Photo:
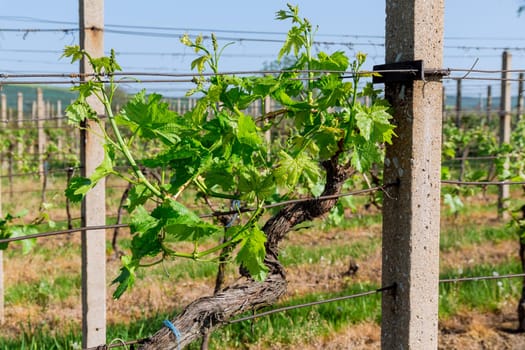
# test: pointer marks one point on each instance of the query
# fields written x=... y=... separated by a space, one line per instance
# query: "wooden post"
x=4 y=120
x=444 y=104
x=504 y=127
x=19 y=120
x=3 y=104
x=489 y=104
x=519 y=106
x=2 y=310
x=40 y=116
x=93 y=207
x=179 y=111
x=411 y=210
x=59 y=117
x=458 y=103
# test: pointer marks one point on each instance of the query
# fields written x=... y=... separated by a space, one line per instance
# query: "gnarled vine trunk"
x=208 y=313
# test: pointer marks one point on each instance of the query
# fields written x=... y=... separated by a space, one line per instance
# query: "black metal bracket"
x=402 y=72
x=398 y=72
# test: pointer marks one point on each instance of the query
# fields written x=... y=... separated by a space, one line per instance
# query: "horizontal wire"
x=481 y=278
x=333 y=300
x=297 y=201
x=482 y=183
x=379 y=290
x=61 y=232
x=203 y=74
x=242 y=31
x=109 y=30
x=74 y=78
x=313 y=303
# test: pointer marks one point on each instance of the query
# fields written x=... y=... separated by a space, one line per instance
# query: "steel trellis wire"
x=332 y=300
x=313 y=303
x=90 y=228
x=481 y=278
x=61 y=232
x=482 y=183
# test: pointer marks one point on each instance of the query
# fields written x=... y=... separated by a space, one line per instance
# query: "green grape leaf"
x=150 y=118
x=200 y=62
x=327 y=139
x=146 y=240
x=374 y=123
x=254 y=184
x=336 y=215
x=182 y=224
x=252 y=253
x=141 y=221
x=24 y=230
x=294 y=41
x=137 y=195
x=220 y=174
x=126 y=278
x=337 y=61
x=74 y=52
x=80 y=186
x=79 y=111
x=247 y=132
x=290 y=169
x=77 y=188
x=365 y=154
x=335 y=91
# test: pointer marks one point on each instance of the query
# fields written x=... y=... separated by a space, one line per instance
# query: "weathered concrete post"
x=459 y=98
x=19 y=120
x=3 y=103
x=504 y=127
x=3 y=108
x=41 y=142
x=59 y=117
x=489 y=104
x=519 y=104
x=411 y=211
x=93 y=206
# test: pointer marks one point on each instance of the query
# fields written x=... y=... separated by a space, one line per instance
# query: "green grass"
x=483 y=295
x=293 y=255
x=38 y=336
x=299 y=325
x=44 y=291
x=286 y=329
x=455 y=238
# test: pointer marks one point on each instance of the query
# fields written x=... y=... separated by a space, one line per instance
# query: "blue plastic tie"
x=174 y=330
x=235 y=205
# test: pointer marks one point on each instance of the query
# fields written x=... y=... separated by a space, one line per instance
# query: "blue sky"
x=474 y=29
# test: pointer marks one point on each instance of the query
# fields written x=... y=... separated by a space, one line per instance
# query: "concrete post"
x=489 y=104
x=59 y=117
x=411 y=211
x=20 y=119
x=519 y=106
x=93 y=210
x=41 y=142
x=458 y=103
x=444 y=104
x=504 y=128
x=3 y=104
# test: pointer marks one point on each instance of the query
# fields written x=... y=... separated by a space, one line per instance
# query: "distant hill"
x=476 y=103
x=51 y=94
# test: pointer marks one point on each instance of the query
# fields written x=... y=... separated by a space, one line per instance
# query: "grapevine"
x=217 y=153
